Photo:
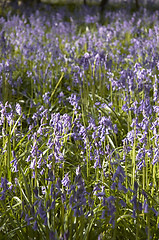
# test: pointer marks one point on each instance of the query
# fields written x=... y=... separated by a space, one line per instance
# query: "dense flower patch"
x=79 y=125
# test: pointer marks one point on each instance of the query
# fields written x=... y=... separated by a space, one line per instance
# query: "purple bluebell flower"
x=136 y=186
x=112 y=220
x=137 y=205
x=14 y=163
x=97 y=103
x=85 y=60
x=110 y=199
x=66 y=235
x=45 y=221
x=52 y=235
x=77 y=200
x=134 y=213
x=130 y=136
x=61 y=97
x=4 y=184
x=121 y=187
x=123 y=204
x=2 y=197
x=156 y=156
x=144 y=194
x=35 y=190
x=134 y=202
x=28 y=219
x=155 y=211
x=73 y=100
x=97 y=159
x=96 y=188
x=119 y=173
x=103 y=214
x=145 y=207
x=141 y=164
x=35 y=227
x=41 y=211
x=52 y=206
x=46 y=98
x=100 y=194
x=113 y=186
x=155 y=97
x=71 y=200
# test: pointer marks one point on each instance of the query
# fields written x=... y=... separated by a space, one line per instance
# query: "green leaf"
x=27 y=187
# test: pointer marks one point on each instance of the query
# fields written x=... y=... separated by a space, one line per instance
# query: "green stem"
x=133 y=159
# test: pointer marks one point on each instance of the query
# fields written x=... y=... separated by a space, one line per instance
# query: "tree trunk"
x=137 y=3
x=85 y=2
x=104 y=3
x=30 y=2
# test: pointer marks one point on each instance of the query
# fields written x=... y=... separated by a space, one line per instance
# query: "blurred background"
x=88 y=1
x=98 y=1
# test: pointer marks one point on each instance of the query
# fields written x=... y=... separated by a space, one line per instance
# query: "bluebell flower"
x=130 y=136
x=136 y=186
x=156 y=109
x=74 y=102
x=155 y=211
x=100 y=194
x=45 y=221
x=110 y=199
x=76 y=211
x=97 y=103
x=85 y=60
x=71 y=200
x=2 y=195
x=41 y=211
x=66 y=235
x=119 y=172
x=4 y=184
x=113 y=186
x=134 y=213
x=28 y=219
x=123 y=204
x=63 y=198
x=103 y=214
x=52 y=235
x=112 y=220
x=97 y=159
x=140 y=206
x=52 y=205
x=35 y=227
x=18 y=109
x=43 y=190
x=65 y=182
x=90 y=202
x=96 y=188
x=156 y=156
x=14 y=163
x=121 y=187
x=36 y=202
x=134 y=202
x=155 y=92
x=144 y=194
x=35 y=190
x=145 y=207
x=137 y=205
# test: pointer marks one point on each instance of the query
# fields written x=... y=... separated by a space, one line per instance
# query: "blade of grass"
x=62 y=75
